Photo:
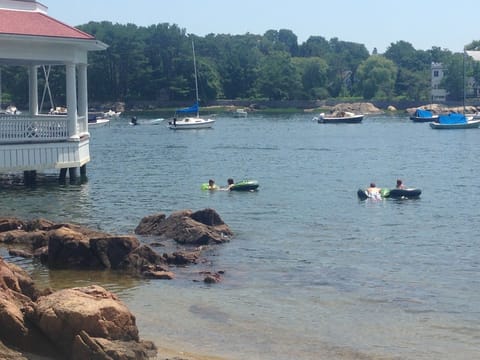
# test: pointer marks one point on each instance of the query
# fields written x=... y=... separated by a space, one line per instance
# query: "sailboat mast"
x=195 y=73
x=464 y=84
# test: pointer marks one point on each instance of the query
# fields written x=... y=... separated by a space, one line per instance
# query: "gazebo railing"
x=20 y=129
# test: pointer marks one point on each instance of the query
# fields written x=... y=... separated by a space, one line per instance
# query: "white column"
x=83 y=97
x=33 y=90
x=72 y=101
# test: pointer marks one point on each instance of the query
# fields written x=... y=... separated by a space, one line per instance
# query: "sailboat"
x=191 y=122
x=454 y=120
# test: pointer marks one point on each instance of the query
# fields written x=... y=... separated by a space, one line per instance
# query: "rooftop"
x=36 y=23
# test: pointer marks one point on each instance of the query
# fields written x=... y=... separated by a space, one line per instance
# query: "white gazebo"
x=31 y=142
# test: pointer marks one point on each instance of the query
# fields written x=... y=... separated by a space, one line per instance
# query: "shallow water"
x=312 y=272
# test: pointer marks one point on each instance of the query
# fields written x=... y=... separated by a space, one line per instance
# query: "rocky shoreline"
x=90 y=322
x=367 y=108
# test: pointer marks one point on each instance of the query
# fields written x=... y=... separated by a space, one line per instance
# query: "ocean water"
x=312 y=272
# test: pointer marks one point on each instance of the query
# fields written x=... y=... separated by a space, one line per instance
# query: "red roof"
x=37 y=24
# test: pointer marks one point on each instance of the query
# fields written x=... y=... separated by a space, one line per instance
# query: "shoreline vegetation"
x=293 y=107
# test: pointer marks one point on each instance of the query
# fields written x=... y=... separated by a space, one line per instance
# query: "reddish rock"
x=150 y=225
x=64 y=314
x=182 y=257
x=87 y=347
x=31 y=240
x=11 y=223
x=142 y=257
x=187 y=227
x=16 y=303
x=113 y=250
x=70 y=249
x=20 y=253
x=211 y=278
x=161 y=275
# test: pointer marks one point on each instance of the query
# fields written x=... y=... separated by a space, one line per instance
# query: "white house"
x=439 y=94
x=31 y=142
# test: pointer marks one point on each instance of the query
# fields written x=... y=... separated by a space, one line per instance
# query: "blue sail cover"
x=452 y=119
x=423 y=113
x=192 y=109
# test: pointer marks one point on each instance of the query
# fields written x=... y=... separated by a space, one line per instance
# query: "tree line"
x=155 y=63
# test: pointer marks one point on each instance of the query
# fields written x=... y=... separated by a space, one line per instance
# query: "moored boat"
x=455 y=121
x=110 y=114
x=422 y=115
x=340 y=117
x=96 y=120
x=240 y=113
x=191 y=122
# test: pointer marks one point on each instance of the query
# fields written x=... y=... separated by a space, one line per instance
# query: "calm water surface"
x=312 y=272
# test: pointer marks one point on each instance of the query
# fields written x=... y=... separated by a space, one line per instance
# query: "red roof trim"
x=37 y=24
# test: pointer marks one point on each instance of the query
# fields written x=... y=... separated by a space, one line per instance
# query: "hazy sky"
x=374 y=23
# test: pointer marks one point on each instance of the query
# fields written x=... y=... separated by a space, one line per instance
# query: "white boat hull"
x=191 y=123
x=348 y=118
x=470 y=124
x=98 y=123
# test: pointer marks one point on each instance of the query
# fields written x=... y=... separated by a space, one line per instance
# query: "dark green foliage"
x=155 y=63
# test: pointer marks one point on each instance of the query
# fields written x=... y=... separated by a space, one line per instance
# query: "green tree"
x=344 y=59
x=453 y=80
x=277 y=78
x=376 y=77
x=236 y=58
x=315 y=46
x=313 y=72
x=282 y=40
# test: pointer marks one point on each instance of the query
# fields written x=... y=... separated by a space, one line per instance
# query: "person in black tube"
x=400 y=184
x=373 y=191
x=230 y=183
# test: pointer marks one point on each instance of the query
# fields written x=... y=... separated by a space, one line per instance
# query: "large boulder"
x=187 y=227
x=73 y=317
x=17 y=293
x=30 y=240
x=357 y=108
x=113 y=250
x=10 y=223
x=87 y=347
x=70 y=249
x=79 y=323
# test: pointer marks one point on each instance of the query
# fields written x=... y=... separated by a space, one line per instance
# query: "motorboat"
x=95 y=120
x=98 y=122
x=455 y=121
x=110 y=114
x=339 y=117
x=59 y=110
x=240 y=113
x=12 y=110
x=422 y=115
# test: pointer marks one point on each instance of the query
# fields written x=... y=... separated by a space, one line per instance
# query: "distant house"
x=30 y=141
x=438 y=93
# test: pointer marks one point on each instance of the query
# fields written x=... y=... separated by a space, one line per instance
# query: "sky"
x=374 y=23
